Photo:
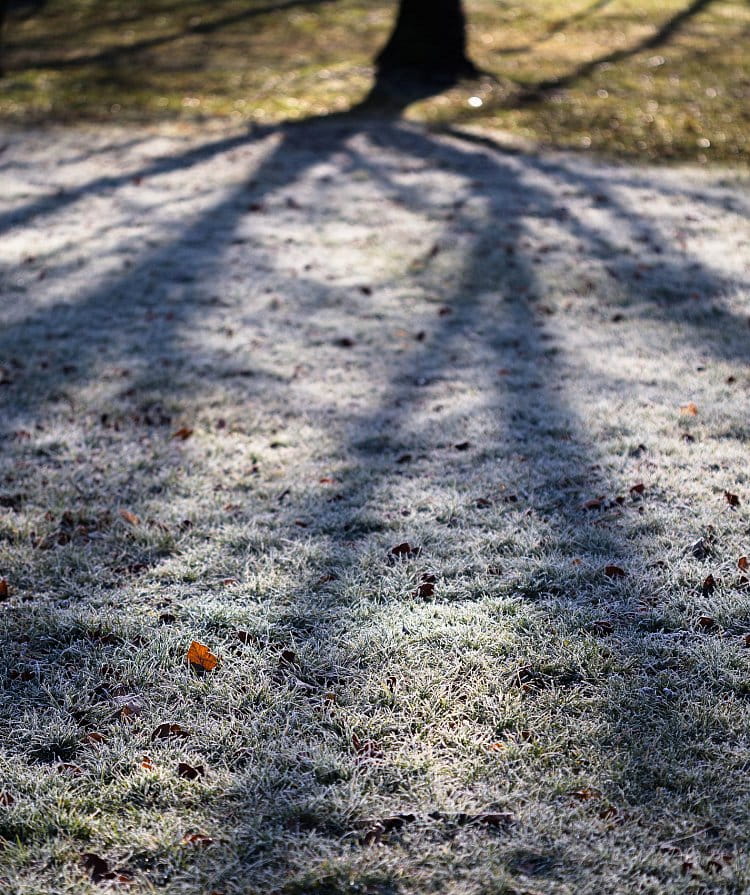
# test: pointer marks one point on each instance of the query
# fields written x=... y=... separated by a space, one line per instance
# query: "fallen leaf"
x=288 y=657
x=201 y=656
x=197 y=839
x=482 y=503
x=743 y=563
x=366 y=748
x=167 y=730
x=183 y=433
x=746 y=640
x=462 y=446
x=129 y=517
x=732 y=499
x=94 y=737
x=147 y=763
x=614 y=572
x=426 y=589
x=584 y=795
x=594 y=503
x=602 y=627
x=4 y=589
x=708 y=586
x=189 y=772
x=97 y=867
x=405 y=549
x=689 y=409
x=639 y=488
x=7 y=798
x=706 y=622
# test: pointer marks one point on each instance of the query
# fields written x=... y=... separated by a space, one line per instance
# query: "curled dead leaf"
x=189 y=772
x=595 y=503
x=405 y=550
x=743 y=563
x=708 y=586
x=200 y=656
x=167 y=730
x=614 y=572
x=366 y=749
x=638 y=488
x=130 y=518
x=199 y=840
x=706 y=622
x=183 y=433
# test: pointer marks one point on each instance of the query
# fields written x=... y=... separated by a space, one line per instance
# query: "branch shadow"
x=282 y=813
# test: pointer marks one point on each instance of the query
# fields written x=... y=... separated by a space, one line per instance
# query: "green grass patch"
x=654 y=81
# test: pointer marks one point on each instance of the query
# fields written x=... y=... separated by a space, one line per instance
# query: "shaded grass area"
x=377 y=336
x=656 y=80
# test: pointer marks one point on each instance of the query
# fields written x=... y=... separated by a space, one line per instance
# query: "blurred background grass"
x=651 y=80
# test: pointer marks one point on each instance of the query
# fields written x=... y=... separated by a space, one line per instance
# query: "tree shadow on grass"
x=284 y=809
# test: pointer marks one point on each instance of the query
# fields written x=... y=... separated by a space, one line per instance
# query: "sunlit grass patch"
x=656 y=80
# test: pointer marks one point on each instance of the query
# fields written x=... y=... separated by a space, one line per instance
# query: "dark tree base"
x=428 y=45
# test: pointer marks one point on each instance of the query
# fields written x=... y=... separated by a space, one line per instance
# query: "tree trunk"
x=428 y=42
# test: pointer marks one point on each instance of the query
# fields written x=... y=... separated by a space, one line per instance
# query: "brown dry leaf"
x=614 y=572
x=602 y=627
x=594 y=504
x=706 y=622
x=732 y=499
x=426 y=588
x=189 y=772
x=689 y=409
x=638 y=488
x=585 y=794
x=183 y=433
x=743 y=563
x=129 y=517
x=147 y=763
x=746 y=640
x=708 y=586
x=483 y=502
x=197 y=839
x=4 y=589
x=366 y=748
x=405 y=550
x=201 y=656
x=97 y=867
x=166 y=730
x=99 y=871
x=94 y=737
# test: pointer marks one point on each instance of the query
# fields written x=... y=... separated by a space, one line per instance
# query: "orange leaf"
x=743 y=563
x=201 y=656
x=198 y=839
x=129 y=517
x=183 y=433
x=689 y=409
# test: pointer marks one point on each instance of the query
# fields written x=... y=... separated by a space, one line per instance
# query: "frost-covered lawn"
x=236 y=371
